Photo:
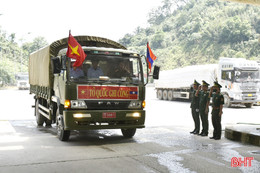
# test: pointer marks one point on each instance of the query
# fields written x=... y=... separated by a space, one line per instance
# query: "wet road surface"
x=165 y=145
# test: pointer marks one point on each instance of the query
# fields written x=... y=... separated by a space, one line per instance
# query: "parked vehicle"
x=22 y=81
x=239 y=79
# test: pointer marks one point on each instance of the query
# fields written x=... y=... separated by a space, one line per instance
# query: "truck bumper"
x=244 y=98
x=244 y=101
x=112 y=119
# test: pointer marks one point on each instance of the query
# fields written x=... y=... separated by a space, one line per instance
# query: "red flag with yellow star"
x=75 y=51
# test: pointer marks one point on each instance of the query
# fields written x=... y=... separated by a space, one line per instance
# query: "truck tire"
x=39 y=118
x=128 y=133
x=170 y=95
x=165 y=95
x=160 y=94
x=227 y=102
x=62 y=134
x=248 y=105
x=47 y=122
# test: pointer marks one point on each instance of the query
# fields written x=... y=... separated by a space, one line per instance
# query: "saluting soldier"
x=217 y=107
x=195 y=108
x=204 y=107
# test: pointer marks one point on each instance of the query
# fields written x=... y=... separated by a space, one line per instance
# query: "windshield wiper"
x=126 y=82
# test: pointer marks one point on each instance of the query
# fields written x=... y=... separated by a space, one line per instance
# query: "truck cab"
x=239 y=79
x=107 y=91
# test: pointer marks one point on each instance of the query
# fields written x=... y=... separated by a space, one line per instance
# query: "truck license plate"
x=109 y=115
x=249 y=95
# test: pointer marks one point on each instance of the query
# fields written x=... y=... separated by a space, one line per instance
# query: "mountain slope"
x=199 y=32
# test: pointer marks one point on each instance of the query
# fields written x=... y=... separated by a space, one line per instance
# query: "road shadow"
x=98 y=137
x=91 y=137
x=238 y=106
x=30 y=129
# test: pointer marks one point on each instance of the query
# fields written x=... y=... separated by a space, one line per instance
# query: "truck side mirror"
x=56 y=65
x=63 y=62
x=156 y=72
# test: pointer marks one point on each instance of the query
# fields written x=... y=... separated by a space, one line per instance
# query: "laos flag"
x=150 y=57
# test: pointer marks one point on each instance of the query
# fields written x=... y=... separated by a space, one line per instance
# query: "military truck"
x=113 y=100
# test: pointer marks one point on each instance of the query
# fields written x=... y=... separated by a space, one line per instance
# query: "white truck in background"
x=239 y=79
x=22 y=81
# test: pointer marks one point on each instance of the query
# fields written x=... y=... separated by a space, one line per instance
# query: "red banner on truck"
x=90 y=92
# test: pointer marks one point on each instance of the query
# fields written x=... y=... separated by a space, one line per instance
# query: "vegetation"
x=180 y=32
x=14 y=58
x=189 y=32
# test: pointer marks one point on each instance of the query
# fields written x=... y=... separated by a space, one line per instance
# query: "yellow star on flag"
x=74 y=50
x=82 y=92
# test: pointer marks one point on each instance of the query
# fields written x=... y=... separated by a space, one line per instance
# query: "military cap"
x=205 y=83
x=196 y=83
x=216 y=84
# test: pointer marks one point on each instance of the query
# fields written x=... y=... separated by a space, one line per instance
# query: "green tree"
x=158 y=40
x=37 y=44
x=201 y=30
x=235 y=30
x=13 y=58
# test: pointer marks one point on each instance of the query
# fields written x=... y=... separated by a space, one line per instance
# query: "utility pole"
x=22 y=40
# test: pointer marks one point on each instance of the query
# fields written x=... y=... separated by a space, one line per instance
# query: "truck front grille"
x=22 y=83
x=249 y=96
x=108 y=105
x=248 y=87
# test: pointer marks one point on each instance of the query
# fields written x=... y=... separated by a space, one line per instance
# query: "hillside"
x=183 y=32
x=14 y=57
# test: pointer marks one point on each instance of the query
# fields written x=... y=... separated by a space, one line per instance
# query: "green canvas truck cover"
x=40 y=73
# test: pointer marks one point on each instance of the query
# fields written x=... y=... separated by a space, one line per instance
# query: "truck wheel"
x=248 y=105
x=160 y=94
x=39 y=117
x=169 y=95
x=227 y=102
x=165 y=95
x=128 y=133
x=48 y=122
x=63 y=135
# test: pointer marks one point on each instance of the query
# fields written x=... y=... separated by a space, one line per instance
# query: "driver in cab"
x=95 y=71
x=76 y=72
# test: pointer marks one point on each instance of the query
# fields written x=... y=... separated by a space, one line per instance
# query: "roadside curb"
x=249 y=134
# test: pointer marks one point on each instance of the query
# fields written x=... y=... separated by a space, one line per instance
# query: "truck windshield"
x=107 y=69
x=24 y=77
x=244 y=76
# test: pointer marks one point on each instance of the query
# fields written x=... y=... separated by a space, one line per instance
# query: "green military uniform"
x=195 y=110
x=217 y=100
x=204 y=99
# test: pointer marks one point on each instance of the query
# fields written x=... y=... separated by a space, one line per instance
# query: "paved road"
x=165 y=145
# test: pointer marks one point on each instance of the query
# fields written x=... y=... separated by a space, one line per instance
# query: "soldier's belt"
x=215 y=107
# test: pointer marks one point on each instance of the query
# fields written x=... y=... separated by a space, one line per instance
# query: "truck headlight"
x=237 y=97
x=134 y=115
x=78 y=104
x=82 y=115
x=135 y=104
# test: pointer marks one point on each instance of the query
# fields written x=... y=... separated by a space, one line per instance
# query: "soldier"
x=217 y=106
x=204 y=107
x=195 y=108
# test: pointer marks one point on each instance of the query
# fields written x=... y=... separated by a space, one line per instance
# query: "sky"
x=53 y=19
